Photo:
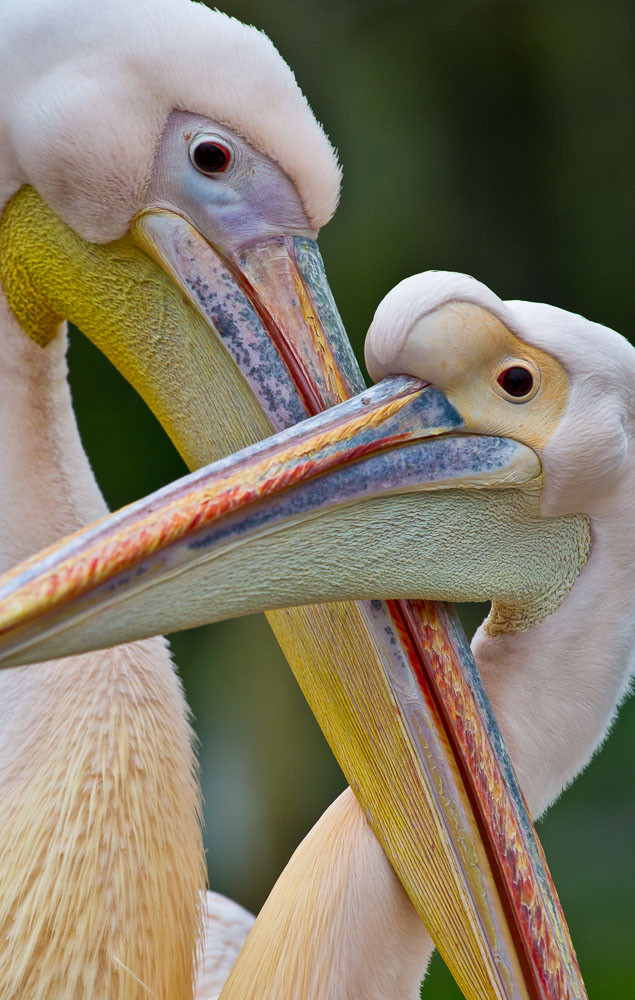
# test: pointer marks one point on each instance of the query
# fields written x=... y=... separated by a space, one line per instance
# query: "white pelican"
x=555 y=685
x=162 y=181
x=507 y=478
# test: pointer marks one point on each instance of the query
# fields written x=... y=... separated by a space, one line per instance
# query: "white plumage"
x=225 y=927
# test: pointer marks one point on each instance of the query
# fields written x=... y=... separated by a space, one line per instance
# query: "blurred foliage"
x=495 y=138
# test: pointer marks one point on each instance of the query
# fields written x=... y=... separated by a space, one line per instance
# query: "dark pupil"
x=210 y=158
x=516 y=381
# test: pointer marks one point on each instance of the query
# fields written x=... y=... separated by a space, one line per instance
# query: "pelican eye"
x=209 y=156
x=517 y=382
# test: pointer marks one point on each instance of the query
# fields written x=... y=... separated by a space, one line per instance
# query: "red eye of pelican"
x=209 y=156
x=516 y=381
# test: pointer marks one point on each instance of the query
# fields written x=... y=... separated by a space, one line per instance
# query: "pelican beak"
x=226 y=346
x=358 y=502
x=270 y=304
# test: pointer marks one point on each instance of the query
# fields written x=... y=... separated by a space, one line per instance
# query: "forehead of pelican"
x=86 y=90
x=454 y=332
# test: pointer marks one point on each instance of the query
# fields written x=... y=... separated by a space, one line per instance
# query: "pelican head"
x=478 y=469
x=175 y=133
x=552 y=379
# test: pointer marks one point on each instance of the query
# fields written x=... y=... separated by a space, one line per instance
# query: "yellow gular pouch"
x=132 y=311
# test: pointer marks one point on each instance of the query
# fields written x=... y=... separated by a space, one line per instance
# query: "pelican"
x=104 y=743
x=162 y=183
x=499 y=467
x=566 y=387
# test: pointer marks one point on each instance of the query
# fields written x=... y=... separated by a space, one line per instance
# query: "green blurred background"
x=494 y=138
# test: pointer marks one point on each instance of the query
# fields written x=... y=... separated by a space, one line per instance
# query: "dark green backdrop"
x=491 y=138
